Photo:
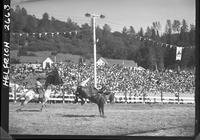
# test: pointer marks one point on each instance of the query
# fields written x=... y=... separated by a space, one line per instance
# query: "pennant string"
x=76 y=32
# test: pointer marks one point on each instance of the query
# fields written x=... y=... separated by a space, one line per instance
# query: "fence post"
x=63 y=95
x=15 y=94
x=143 y=97
x=161 y=97
x=178 y=98
x=125 y=94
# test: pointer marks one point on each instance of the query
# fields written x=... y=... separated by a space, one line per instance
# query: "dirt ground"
x=121 y=119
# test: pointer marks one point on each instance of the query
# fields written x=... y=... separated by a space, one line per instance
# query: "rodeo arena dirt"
x=139 y=102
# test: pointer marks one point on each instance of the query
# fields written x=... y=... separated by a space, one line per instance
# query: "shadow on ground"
x=73 y=115
x=29 y=110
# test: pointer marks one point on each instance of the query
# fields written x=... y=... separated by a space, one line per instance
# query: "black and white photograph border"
x=89 y=75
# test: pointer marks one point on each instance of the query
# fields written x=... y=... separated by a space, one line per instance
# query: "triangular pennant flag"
x=40 y=34
x=178 y=53
x=76 y=32
x=164 y=45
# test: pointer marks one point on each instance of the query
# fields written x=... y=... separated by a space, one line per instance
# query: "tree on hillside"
x=19 y=19
x=106 y=30
x=31 y=24
x=176 y=26
x=156 y=26
x=148 y=32
x=124 y=31
x=70 y=25
x=131 y=31
x=192 y=35
x=141 y=32
x=45 y=25
x=184 y=40
x=85 y=32
x=59 y=26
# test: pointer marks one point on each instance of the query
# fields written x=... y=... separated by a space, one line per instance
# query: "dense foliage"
x=120 y=45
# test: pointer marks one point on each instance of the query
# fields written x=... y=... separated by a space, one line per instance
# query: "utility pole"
x=93 y=16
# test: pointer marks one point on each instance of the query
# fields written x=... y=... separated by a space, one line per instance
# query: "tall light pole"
x=93 y=16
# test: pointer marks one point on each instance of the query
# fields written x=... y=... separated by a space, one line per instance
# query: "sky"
x=118 y=13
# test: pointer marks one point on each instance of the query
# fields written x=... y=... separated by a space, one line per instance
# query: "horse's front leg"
x=82 y=100
x=76 y=99
x=44 y=105
x=23 y=103
x=99 y=109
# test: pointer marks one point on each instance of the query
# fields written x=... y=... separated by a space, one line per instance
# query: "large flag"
x=179 y=53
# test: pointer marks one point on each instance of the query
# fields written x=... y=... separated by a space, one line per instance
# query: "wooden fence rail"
x=122 y=99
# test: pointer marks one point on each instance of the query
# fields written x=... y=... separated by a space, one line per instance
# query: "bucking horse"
x=96 y=96
x=31 y=94
x=52 y=78
x=91 y=93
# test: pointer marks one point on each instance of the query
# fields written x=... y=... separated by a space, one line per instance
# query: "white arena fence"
x=120 y=98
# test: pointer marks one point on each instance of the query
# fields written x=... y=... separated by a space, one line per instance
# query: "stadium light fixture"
x=93 y=16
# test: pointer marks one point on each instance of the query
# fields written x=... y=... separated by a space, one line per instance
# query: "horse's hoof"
x=82 y=103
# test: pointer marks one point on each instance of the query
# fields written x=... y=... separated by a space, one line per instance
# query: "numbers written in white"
x=7 y=17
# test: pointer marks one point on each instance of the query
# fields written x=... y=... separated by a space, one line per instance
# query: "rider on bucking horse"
x=83 y=84
x=39 y=88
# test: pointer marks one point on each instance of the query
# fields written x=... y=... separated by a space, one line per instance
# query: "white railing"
x=121 y=99
x=154 y=99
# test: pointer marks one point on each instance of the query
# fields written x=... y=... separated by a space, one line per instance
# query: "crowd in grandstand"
x=115 y=78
